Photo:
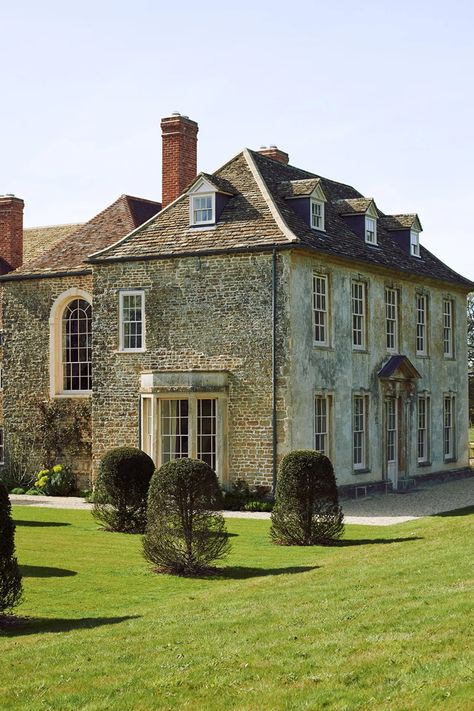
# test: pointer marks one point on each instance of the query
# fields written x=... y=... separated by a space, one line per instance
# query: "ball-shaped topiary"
x=121 y=491
x=185 y=534
x=11 y=589
x=306 y=510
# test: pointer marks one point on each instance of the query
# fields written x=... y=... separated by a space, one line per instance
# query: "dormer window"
x=414 y=243
x=317 y=214
x=370 y=230
x=202 y=209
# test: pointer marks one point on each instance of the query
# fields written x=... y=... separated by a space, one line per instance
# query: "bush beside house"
x=306 y=510
x=185 y=534
x=120 y=497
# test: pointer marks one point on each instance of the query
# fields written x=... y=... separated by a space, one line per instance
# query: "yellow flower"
x=57 y=468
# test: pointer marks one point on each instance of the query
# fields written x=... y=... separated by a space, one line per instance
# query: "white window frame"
x=314 y=216
x=415 y=243
x=421 y=333
x=359 y=431
x=370 y=234
x=320 y=309
x=151 y=421
x=359 y=312
x=448 y=328
x=391 y=319
x=2 y=445
x=122 y=294
x=193 y=209
x=423 y=441
x=449 y=420
x=322 y=421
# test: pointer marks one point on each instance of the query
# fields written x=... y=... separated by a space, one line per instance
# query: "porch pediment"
x=398 y=367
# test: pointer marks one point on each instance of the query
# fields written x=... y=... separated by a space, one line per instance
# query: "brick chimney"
x=179 y=136
x=11 y=232
x=275 y=153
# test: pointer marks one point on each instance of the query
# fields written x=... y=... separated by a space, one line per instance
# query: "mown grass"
x=382 y=621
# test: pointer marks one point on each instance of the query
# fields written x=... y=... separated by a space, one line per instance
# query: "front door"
x=391 y=439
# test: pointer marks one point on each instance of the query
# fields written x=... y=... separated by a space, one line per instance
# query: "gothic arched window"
x=77 y=346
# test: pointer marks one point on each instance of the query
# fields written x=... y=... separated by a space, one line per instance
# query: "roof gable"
x=398 y=367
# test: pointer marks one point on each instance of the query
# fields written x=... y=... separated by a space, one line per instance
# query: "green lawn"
x=382 y=621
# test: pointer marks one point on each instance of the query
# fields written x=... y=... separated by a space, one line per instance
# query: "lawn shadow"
x=370 y=541
x=21 y=626
x=19 y=522
x=464 y=511
x=241 y=572
x=40 y=571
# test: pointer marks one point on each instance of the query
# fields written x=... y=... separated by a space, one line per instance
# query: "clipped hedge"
x=11 y=589
x=185 y=534
x=306 y=510
x=120 y=496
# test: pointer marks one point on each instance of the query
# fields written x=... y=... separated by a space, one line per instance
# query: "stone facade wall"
x=340 y=371
x=26 y=313
x=202 y=314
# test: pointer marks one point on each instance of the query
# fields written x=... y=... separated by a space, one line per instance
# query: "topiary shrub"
x=184 y=533
x=10 y=577
x=306 y=510
x=120 y=497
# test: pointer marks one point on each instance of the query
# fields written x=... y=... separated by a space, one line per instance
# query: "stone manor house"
x=258 y=309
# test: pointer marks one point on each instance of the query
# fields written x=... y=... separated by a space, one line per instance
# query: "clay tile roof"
x=355 y=206
x=37 y=240
x=298 y=188
x=110 y=225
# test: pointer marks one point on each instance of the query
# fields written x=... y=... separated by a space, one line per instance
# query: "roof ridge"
x=276 y=214
x=49 y=227
x=135 y=197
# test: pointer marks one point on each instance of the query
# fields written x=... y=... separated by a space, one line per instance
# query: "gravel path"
x=376 y=510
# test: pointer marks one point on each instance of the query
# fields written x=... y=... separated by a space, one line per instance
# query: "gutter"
x=194 y=253
x=46 y=275
x=274 y=414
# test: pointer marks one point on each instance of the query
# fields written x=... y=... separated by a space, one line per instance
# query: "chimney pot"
x=275 y=153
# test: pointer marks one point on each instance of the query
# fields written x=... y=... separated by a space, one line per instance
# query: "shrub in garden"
x=185 y=534
x=10 y=577
x=306 y=510
x=120 y=497
x=242 y=495
x=57 y=481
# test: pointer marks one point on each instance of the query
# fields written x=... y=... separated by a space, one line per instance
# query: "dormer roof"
x=206 y=183
x=401 y=222
x=356 y=206
x=291 y=189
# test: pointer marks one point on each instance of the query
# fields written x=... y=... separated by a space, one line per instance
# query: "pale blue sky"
x=375 y=94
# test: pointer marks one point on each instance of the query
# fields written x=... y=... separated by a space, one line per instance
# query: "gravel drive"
x=375 y=510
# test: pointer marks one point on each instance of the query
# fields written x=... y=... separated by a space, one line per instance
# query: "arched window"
x=77 y=355
x=70 y=344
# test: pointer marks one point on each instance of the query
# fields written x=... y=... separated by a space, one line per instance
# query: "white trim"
x=55 y=343
x=131 y=292
x=415 y=243
x=200 y=196
x=373 y=219
x=268 y=198
x=314 y=201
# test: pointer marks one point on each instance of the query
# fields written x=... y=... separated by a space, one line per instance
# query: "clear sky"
x=378 y=94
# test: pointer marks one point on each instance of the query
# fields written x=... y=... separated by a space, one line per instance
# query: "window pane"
x=207 y=431
x=132 y=321
x=77 y=345
x=174 y=429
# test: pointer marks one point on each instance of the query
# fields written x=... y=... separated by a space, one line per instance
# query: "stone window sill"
x=365 y=470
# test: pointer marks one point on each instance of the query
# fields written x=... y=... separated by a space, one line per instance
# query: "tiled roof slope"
x=37 y=240
x=258 y=215
x=117 y=220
